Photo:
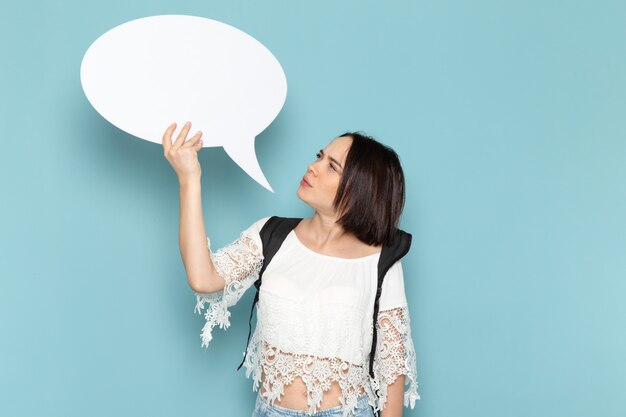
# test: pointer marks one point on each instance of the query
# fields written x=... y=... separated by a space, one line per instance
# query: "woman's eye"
x=318 y=155
x=333 y=167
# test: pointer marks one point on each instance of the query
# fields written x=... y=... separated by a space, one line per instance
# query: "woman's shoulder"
x=255 y=228
x=258 y=225
x=253 y=232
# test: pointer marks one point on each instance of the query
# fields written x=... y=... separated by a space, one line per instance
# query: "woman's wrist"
x=189 y=180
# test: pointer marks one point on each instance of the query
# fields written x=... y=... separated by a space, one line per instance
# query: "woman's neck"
x=324 y=229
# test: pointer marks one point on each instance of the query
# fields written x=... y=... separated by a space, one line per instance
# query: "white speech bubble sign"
x=147 y=73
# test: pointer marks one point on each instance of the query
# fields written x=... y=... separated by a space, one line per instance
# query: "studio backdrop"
x=509 y=119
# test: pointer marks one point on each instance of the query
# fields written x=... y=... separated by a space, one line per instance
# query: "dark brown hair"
x=370 y=196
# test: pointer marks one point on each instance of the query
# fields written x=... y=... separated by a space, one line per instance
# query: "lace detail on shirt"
x=395 y=355
x=281 y=368
x=239 y=264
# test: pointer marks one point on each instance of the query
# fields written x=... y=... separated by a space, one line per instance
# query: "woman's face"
x=319 y=185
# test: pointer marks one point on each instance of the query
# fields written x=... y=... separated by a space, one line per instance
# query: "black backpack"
x=274 y=232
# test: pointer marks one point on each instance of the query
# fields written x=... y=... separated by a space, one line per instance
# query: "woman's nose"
x=312 y=169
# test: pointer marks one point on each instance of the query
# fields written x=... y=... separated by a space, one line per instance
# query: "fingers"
x=193 y=141
x=182 y=135
x=181 y=141
x=167 y=137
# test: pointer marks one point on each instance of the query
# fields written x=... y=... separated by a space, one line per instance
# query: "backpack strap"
x=389 y=255
x=273 y=233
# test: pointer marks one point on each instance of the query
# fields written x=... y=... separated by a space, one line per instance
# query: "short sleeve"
x=395 y=352
x=392 y=294
x=239 y=263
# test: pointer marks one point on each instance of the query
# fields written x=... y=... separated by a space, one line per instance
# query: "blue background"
x=510 y=121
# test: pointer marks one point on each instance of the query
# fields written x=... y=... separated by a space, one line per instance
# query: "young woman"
x=310 y=350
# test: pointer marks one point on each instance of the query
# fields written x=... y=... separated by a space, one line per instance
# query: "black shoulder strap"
x=389 y=255
x=273 y=233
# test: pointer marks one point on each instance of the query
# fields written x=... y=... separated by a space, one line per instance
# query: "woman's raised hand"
x=183 y=155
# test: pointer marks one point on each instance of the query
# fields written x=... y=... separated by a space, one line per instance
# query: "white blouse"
x=314 y=320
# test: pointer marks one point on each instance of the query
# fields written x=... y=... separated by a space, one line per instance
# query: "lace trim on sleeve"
x=239 y=264
x=395 y=355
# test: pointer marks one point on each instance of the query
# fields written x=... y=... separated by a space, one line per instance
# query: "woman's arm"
x=395 y=398
x=201 y=273
x=183 y=156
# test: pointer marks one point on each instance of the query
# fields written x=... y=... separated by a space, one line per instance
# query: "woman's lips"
x=305 y=183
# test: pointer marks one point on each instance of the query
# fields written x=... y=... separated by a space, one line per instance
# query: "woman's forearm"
x=194 y=251
x=395 y=398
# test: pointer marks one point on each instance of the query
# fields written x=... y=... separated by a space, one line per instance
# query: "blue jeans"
x=262 y=408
